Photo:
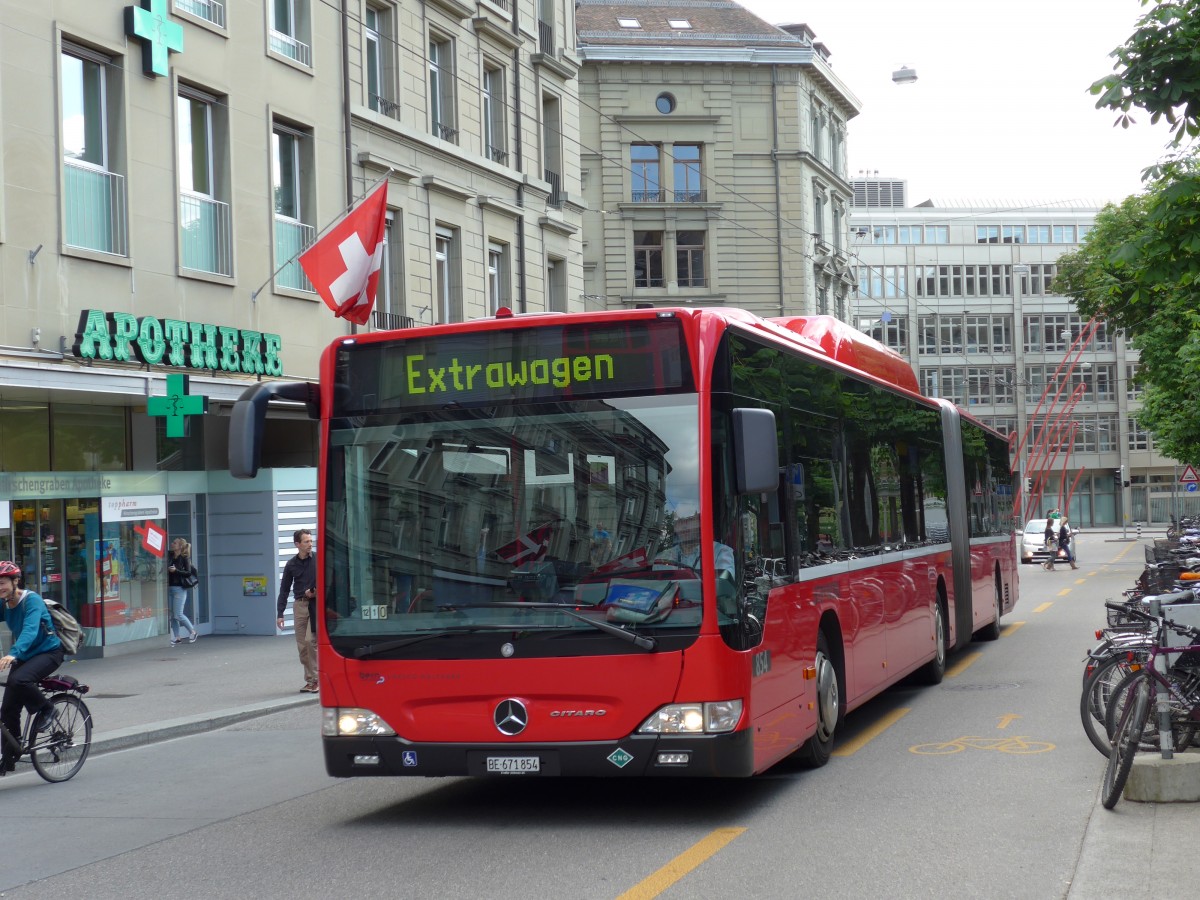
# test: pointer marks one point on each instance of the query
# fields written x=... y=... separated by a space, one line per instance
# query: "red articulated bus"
x=647 y=542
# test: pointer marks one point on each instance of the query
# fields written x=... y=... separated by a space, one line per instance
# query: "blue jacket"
x=31 y=627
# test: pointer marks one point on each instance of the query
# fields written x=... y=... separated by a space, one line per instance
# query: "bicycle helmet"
x=9 y=569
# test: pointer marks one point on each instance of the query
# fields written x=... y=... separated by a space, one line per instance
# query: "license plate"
x=514 y=765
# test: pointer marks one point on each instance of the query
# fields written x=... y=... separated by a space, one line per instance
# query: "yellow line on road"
x=1079 y=581
x=851 y=747
x=959 y=667
x=1010 y=628
x=681 y=865
x=1126 y=550
x=1044 y=606
x=1064 y=592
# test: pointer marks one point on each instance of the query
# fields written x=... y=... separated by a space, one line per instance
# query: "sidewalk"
x=169 y=692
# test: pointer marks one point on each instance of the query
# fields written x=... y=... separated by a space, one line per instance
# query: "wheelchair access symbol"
x=408 y=758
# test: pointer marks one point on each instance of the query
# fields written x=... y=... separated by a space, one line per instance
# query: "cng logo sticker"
x=620 y=758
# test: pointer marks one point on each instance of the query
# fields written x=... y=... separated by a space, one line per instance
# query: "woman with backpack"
x=181 y=577
x=35 y=653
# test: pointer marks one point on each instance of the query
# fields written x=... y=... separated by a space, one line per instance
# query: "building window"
x=644 y=170
x=205 y=231
x=818 y=131
x=937 y=234
x=208 y=10
x=818 y=215
x=628 y=23
x=1139 y=437
x=1038 y=234
x=689 y=187
x=882 y=282
x=1133 y=390
x=682 y=24
x=1101 y=337
x=1104 y=378
x=93 y=193
x=1044 y=334
x=927 y=343
x=1063 y=234
x=446 y=281
x=1012 y=234
x=893 y=333
x=380 y=61
x=497 y=276
x=950 y=334
x=556 y=285
x=552 y=148
x=290 y=27
x=292 y=173
x=948 y=383
x=987 y=234
x=648 y=259
x=546 y=27
x=441 y=88
x=495 y=120
x=389 y=294
x=883 y=234
x=689 y=258
x=665 y=103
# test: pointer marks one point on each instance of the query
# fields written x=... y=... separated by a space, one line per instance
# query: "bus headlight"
x=717 y=717
x=337 y=722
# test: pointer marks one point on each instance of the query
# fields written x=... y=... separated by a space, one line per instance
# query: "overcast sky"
x=1000 y=112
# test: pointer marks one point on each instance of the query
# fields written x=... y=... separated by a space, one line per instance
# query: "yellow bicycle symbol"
x=1015 y=744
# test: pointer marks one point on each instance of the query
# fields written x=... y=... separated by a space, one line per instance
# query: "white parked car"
x=1033 y=541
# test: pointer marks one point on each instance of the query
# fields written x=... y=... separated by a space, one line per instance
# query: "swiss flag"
x=344 y=265
x=638 y=559
x=527 y=548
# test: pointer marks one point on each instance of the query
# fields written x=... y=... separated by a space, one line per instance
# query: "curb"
x=141 y=735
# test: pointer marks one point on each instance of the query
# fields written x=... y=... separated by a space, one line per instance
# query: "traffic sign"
x=1191 y=487
x=1189 y=476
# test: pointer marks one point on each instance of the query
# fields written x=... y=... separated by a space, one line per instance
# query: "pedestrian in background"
x=181 y=577
x=1064 y=542
x=300 y=580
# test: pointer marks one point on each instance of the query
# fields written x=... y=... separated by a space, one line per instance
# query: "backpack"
x=66 y=626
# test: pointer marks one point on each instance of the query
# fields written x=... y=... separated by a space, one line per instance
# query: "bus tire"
x=815 y=752
x=935 y=670
x=991 y=631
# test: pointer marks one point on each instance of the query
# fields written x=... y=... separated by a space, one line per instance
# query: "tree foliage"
x=1158 y=69
x=1139 y=270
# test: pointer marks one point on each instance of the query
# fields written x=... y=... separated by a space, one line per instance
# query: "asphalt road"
x=983 y=786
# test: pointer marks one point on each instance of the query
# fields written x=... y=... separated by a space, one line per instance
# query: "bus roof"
x=850 y=346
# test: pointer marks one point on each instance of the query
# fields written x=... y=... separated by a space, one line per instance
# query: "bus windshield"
x=466 y=524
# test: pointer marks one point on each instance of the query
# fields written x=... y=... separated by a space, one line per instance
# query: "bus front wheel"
x=817 y=749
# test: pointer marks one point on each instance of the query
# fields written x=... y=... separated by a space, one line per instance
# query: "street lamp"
x=904 y=75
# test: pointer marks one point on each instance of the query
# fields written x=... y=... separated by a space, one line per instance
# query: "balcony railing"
x=205 y=234
x=385 y=321
x=691 y=196
x=545 y=38
x=445 y=132
x=291 y=238
x=649 y=196
x=389 y=108
x=555 y=199
x=495 y=154
x=286 y=45
x=95 y=209
x=209 y=10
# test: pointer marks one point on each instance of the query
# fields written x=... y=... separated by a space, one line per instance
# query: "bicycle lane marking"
x=657 y=882
x=1042 y=607
x=1019 y=745
x=1010 y=628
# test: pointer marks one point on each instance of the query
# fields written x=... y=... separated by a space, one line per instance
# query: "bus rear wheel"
x=815 y=752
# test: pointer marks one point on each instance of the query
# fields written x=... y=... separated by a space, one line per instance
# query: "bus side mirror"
x=249 y=418
x=755 y=451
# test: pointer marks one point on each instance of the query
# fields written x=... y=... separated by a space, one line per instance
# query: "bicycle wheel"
x=1094 y=699
x=1127 y=735
x=59 y=753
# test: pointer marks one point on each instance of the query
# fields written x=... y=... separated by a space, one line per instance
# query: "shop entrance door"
x=185 y=519
x=38 y=545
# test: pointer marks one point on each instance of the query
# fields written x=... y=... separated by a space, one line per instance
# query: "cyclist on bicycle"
x=35 y=653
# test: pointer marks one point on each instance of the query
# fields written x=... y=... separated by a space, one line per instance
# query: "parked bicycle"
x=1156 y=701
x=57 y=752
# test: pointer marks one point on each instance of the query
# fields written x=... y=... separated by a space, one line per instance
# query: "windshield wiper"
x=372 y=649
x=625 y=634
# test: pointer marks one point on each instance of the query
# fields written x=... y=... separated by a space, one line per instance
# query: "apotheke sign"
x=121 y=337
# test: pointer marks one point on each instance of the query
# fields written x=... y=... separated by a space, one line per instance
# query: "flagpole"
x=316 y=237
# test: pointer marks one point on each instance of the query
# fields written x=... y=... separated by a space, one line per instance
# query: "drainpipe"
x=519 y=164
x=778 y=192
x=346 y=120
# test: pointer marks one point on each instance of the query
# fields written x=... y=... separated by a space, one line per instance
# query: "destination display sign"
x=513 y=365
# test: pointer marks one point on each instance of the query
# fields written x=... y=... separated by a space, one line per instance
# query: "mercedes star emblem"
x=511 y=717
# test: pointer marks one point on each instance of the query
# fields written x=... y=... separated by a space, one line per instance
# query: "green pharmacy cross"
x=159 y=35
x=176 y=404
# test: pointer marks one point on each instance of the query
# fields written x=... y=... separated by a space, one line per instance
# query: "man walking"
x=300 y=579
